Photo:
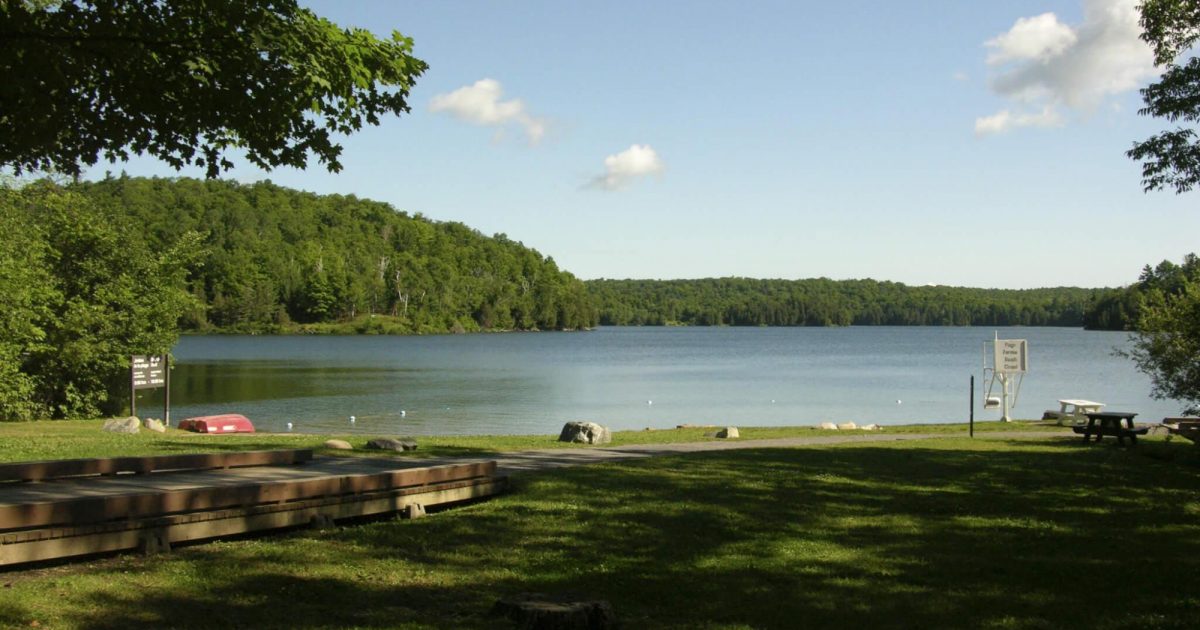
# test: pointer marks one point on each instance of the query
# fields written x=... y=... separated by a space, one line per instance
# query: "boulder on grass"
x=872 y=427
x=847 y=426
x=338 y=445
x=728 y=433
x=829 y=426
x=130 y=424
x=585 y=433
x=392 y=444
x=154 y=425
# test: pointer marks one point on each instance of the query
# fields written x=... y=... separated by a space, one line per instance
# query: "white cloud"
x=1043 y=64
x=1005 y=120
x=622 y=168
x=1036 y=38
x=480 y=104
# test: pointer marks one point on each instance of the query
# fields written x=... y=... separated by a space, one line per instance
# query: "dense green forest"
x=277 y=259
x=1119 y=309
x=824 y=302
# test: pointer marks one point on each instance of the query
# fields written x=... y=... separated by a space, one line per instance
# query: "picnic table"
x=1075 y=409
x=1102 y=423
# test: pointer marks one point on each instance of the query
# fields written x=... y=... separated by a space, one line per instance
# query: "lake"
x=632 y=378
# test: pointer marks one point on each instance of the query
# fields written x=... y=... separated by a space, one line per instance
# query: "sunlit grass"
x=26 y=441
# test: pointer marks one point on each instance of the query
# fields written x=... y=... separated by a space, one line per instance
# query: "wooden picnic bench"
x=1105 y=423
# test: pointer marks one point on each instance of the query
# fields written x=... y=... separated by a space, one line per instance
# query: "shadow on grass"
x=955 y=533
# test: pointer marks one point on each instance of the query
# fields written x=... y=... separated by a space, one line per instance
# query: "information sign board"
x=149 y=371
x=1011 y=356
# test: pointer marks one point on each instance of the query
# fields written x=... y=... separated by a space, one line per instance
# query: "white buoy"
x=772 y=401
x=351 y=419
x=897 y=401
x=289 y=426
x=649 y=402
x=403 y=413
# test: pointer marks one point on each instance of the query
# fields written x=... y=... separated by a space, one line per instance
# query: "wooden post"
x=132 y=391
x=166 y=390
x=972 y=405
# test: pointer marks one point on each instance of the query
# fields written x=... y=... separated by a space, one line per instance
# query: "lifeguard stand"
x=1006 y=367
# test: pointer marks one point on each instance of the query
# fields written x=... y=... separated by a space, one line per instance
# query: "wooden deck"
x=81 y=507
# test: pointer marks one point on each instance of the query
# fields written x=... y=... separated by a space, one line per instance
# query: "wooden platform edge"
x=150 y=504
x=62 y=468
x=159 y=534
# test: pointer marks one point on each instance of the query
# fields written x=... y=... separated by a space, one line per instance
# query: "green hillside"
x=281 y=260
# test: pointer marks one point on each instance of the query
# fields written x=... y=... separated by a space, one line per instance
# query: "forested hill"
x=824 y=302
x=278 y=257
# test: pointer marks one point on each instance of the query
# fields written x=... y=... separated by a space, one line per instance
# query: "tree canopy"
x=1121 y=309
x=1171 y=159
x=187 y=81
x=1166 y=344
x=80 y=291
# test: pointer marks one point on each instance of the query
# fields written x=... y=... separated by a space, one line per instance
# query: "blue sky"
x=956 y=142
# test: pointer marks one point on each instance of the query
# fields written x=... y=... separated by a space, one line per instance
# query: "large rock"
x=338 y=445
x=872 y=427
x=130 y=424
x=154 y=425
x=585 y=433
x=392 y=444
x=847 y=426
x=829 y=426
x=728 y=433
x=556 y=612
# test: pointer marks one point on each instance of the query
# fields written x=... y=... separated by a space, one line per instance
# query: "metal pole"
x=1003 y=378
x=166 y=390
x=972 y=405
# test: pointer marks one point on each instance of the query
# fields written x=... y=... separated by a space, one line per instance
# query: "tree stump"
x=566 y=611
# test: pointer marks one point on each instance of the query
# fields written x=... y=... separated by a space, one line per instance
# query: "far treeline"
x=824 y=302
x=281 y=260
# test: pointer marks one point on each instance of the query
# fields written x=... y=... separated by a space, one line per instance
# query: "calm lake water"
x=631 y=378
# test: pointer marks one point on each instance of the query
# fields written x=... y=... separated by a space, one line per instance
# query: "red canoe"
x=225 y=423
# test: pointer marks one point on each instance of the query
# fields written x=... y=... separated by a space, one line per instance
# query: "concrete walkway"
x=544 y=459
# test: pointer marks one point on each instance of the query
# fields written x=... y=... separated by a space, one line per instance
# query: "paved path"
x=543 y=459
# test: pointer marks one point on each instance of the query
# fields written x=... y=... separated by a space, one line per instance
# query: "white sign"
x=1011 y=356
x=149 y=372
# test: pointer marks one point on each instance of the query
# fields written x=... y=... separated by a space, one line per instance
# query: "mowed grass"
x=31 y=441
x=948 y=532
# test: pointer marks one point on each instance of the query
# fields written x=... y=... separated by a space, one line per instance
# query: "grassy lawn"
x=949 y=532
x=27 y=441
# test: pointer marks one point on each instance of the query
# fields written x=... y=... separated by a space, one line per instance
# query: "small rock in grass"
x=154 y=425
x=829 y=426
x=847 y=426
x=130 y=424
x=338 y=445
x=392 y=444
